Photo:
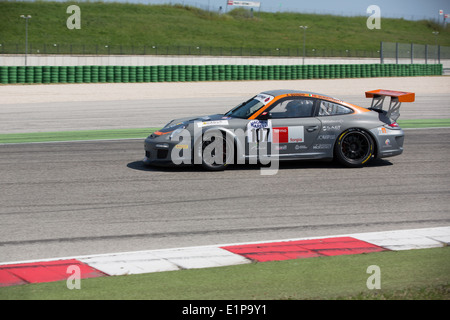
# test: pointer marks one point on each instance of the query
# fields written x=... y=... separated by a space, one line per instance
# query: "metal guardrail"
x=105 y=49
x=411 y=53
x=389 y=52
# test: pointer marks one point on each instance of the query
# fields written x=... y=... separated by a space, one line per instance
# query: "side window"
x=293 y=108
x=327 y=108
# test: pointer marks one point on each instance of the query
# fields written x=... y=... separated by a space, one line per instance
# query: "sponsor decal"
x=258 y=124
x=182 y=146
x=326 y=137
x=281 y=135
x=281 y=148
x=331 y=120
x=300 y=147
x=322 y=146
x=264 y=98
x=201 y=124
x=258 y=146
x=259 y=131
x=331 y=128
x=383 y=131
x=289 y=134
x=318 y=96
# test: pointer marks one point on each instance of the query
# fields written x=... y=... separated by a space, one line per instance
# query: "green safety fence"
x=180 y=73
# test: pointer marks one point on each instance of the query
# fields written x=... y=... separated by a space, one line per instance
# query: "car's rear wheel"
x=354 y=148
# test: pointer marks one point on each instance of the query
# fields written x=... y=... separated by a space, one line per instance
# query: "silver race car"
x=284 y=125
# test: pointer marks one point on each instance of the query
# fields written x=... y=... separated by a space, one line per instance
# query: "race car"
x=284 y=125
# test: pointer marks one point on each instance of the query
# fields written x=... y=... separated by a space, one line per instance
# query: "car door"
x=293 y=129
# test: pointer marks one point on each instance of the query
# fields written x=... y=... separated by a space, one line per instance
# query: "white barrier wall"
x=148 y=60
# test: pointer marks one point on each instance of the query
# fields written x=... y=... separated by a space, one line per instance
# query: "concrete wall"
x=149 y=60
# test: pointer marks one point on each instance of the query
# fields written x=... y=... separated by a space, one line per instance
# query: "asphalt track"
x=79 y=198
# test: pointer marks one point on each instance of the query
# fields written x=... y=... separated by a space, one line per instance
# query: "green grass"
x=76 y=135
x=124 y=24
x=413 y=274
x=424 y=123
x=144 y=132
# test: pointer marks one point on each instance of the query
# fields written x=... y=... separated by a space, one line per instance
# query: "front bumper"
x=161 y=151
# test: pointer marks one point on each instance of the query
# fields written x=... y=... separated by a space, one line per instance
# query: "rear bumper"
x=389 y=142
x=389 y=153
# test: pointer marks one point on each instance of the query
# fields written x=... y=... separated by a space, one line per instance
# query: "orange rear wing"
x=397 y=97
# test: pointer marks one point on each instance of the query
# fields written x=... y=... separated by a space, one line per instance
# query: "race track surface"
x=80 y=198
x=67 y=107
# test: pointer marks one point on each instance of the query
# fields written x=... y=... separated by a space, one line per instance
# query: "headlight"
x=177 y=131
x=172 y=129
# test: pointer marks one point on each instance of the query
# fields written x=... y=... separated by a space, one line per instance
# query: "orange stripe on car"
x=159 y=133
x=261 y=110
x=355 y=108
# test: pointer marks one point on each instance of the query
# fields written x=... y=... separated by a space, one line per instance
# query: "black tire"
x=354 y=148
x=209 y=159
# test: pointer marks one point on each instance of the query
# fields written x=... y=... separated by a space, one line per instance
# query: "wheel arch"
x=374 y=139
x=226 y=132
x=368 y=132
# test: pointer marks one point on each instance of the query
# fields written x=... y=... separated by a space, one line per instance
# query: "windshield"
x=246 y=109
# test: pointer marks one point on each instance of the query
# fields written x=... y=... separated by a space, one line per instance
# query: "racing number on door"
x=258 y=135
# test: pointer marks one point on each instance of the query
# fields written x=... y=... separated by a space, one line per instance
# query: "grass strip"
x=424 y=123
x=144 y=132
x=412 y=274
x=76 y=135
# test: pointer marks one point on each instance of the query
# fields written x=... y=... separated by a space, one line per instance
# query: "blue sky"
x=407 y=9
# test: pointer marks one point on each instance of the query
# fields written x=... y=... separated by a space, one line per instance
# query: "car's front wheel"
x=216 y=151
x=354 y=148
